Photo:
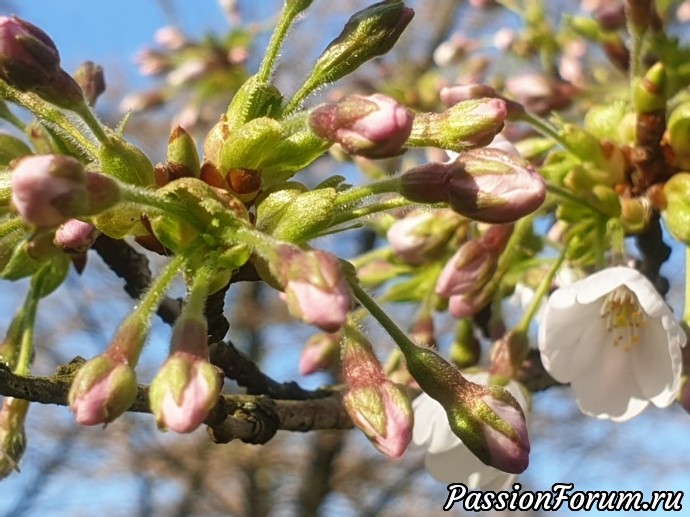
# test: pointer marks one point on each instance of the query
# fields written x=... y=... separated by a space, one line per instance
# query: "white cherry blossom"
x=614 y=338
x=447 y=459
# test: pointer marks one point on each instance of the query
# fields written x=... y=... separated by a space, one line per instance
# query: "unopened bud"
x=90 y=78
x=376 y=126
x=315 y=288
x=75 y=235
x=187 y=386
x=28 y=57
x=418 y=236
x=508 y=354
x=649 y=93
x=102 y=390
x=487 y=419
x=12 y=435
x=487 y=185
x=463 y=126
x=47 y=190
x=368 y=33
x=378 y=407
x=182 y=158
x=319 y=352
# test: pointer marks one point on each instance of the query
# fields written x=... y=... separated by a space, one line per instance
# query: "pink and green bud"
x=487 y=185
x=12 y=435
x=75 y=235
x=184 y=391
x=47 y=190
x=187 y=386
x=375 y=126
x=474 y=263
x=90 y=78
x=378 y=407
x=320 y=352
x=508 y=354
x=466 y=125
x=315 y=288
x=487 y=419
x=103 y=389
x=418 y=236
x=368 y=33
x=28 y=57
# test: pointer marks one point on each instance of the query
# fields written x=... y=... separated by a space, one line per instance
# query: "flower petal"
x=650 y=299
x=558 y=339
x=603 y=282
x=607 y=389
x=657 y=361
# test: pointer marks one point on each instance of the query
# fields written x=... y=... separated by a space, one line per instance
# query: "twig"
x=247 y=374
x=250 y=418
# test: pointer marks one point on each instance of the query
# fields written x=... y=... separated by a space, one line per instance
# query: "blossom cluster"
x=488 y=198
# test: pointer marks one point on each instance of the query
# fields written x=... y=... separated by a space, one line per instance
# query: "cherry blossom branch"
x=250 y=418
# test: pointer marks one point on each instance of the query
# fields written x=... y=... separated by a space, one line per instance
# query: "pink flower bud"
x=315 y=288
x=488 y=185
x=102 y=390
x=187 y=386
x=376 y=126
x=28 y=57
x=417 y=236
x=319 y=352
x=378 y=407
x=47 y=190
x=474 y=263
x=75 y=235
x=504 y=428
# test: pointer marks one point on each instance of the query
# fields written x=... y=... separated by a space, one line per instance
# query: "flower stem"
x=566 y=195
x=54 y=117
x=94 y=125
x=373 y=208
x=34 y=295
x=401 y=339
x=357 y=194
x=287 y=16
x=539 y=294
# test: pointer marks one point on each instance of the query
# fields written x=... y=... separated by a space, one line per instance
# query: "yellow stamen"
x=624 y=317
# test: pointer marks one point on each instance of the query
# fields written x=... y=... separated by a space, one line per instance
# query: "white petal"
x=431 y=429
x=453 y=465
x=560 y=334
x=594 y=338
x=657 y=361
x=608 y=388
x=650 y=299
x=603 y=282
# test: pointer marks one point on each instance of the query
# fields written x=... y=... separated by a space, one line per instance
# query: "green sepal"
x=126 y=162
x=255 y=99
x=11 y=148
x=306 y=216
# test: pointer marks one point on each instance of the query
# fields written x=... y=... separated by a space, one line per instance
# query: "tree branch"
x=249 y=418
